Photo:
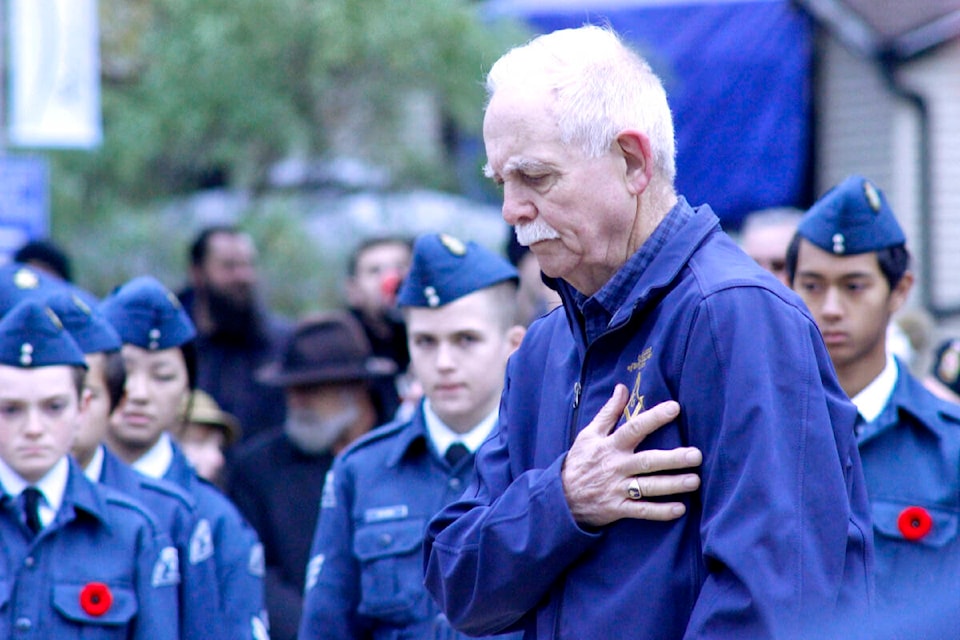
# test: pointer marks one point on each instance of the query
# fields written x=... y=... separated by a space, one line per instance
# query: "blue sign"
x=24 y=201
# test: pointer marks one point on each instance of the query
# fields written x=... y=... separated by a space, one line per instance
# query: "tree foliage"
x=200 y=92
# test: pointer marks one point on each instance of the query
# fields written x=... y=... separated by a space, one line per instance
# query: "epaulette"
x=169 y=489
x=375 y=435
x=114 y=498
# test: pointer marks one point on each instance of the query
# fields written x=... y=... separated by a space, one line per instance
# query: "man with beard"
x=236 y=334
x=326 y=373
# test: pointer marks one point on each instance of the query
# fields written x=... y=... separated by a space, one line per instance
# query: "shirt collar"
x=52 y=485
x=156 y=461
x=875 y=396
x=443 y=436
x=94 y=468
x=600 y=308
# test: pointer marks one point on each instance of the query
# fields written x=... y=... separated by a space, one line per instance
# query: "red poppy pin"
x=96 y=598
x=914 y=523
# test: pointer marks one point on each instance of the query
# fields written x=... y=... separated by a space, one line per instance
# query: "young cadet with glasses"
x=160 y=368
x=79 y=560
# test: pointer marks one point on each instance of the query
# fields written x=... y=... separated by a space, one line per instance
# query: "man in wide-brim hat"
x=326 y=372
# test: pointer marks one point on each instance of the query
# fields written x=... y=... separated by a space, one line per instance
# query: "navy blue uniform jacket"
x=779 y=532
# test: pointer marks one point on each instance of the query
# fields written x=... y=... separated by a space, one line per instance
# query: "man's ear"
x=515 y=336
x=638 y=155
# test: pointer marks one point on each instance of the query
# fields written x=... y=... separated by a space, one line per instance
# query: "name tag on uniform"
x=381 y=514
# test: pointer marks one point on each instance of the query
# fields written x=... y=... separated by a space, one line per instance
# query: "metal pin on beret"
x=852 y=218
x=92 y=332
x=444 y=269
x=148 y=315
x=31 y=335
x=19 y=282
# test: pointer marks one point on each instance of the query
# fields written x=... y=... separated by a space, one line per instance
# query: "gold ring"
x=633 y=489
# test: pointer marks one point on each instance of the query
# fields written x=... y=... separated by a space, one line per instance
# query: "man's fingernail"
x=692 y=457
x=678 y=510
x=691 y=482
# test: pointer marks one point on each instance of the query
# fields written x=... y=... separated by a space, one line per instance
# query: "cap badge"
x=25 y=279
x=430 y=294
x=26 y=354
x=838 y=243
x=453 y=245
x=873 y=197
x=154 y=336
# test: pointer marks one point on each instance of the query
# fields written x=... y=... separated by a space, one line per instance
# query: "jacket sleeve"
x=332 y=589
x=199 y=585
x=474 y=547
x=779 y=526
x=239 y=557
x=158 y=578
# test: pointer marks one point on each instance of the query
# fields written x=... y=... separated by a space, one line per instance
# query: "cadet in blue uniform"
x=365 y=576
x=158 y=358
x=849 y=263
x=174 y=509
x=78 y=560
x=660 y=309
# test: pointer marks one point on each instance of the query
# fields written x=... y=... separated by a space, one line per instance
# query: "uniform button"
x=29 y=561
x=23 y=624
x=386 y=540
x=454 y=483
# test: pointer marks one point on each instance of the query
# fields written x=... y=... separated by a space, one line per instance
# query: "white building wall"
x=864 y=128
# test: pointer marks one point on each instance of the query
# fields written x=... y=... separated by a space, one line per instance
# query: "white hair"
x=600 y=87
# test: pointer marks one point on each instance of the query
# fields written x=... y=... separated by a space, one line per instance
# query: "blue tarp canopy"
x=738 y=78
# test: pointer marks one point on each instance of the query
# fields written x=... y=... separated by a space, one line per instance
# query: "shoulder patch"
x=166 y=571
x=256 y=564
x=313 y=571
x=328 y=499
x=201 y=542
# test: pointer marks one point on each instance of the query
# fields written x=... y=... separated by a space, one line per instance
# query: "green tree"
x=200 y=91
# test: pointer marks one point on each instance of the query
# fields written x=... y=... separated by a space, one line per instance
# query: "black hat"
x=326 y=348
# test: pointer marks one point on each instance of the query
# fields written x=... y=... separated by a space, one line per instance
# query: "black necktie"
x=31 y=507
x=455 y=453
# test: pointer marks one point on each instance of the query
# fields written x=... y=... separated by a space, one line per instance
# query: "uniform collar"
x=52 y=485
x=156 y=461
x=654 y=266
x=443 y=436
x=94 y=469
x=63 y=487
x=875 y=396
x=912 y=401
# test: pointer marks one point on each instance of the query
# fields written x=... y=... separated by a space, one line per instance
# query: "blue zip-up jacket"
x=100 y=539
x=237 y=553
x=779 y=533
x=365 y=575
x=176 y=513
